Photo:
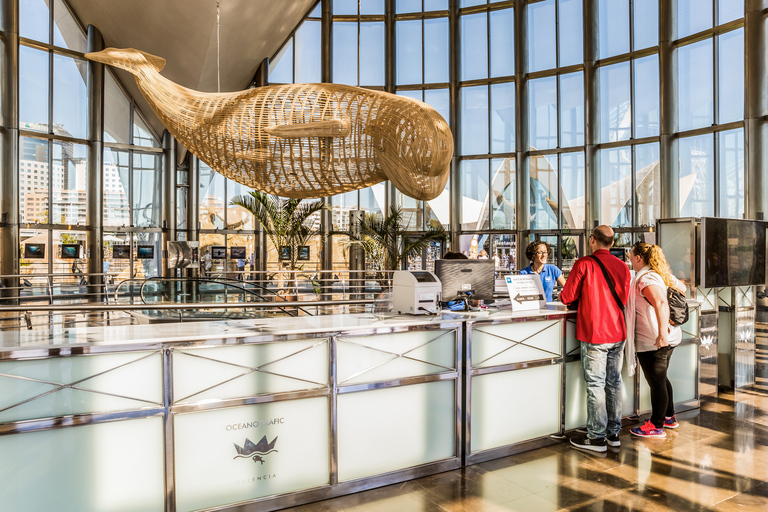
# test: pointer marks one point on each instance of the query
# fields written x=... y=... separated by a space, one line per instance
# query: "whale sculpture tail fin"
x=127 y=58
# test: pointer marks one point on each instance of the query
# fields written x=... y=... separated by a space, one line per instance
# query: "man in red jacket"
x=600 y=329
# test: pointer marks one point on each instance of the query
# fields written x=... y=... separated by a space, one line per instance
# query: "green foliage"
x=386 y=243
x=285 y=221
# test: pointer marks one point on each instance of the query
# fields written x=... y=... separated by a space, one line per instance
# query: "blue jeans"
x=602 y=373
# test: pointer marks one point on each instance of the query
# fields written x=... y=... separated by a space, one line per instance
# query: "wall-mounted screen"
x=34 y=251
x=619 y=252
x=303 y=253
x=732 y=252
x=145 y=252
x=218 y=252
x=121 y=252
x=183 y=254
x=285 y=253
x=237 y=253
x=70 y=251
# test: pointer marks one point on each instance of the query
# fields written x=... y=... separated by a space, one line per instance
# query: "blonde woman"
x=647 y=310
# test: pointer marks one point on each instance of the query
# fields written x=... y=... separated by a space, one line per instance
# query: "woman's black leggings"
x=655 y=365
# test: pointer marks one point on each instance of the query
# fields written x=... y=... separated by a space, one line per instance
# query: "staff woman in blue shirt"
x=538 y=253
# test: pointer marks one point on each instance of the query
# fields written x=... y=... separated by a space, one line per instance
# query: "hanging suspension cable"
x=218 y=47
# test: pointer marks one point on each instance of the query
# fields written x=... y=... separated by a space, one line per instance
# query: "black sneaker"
x=585 y=443
x=613 y=441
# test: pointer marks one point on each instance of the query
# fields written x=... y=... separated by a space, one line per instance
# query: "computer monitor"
x=121 y=252
x=218 y=252
x=475 y=276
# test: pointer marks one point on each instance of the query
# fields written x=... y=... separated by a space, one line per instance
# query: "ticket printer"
x=416 y=292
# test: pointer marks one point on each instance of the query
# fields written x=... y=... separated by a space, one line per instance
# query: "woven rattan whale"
x=300 y=140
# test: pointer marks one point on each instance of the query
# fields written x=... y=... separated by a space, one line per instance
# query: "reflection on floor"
x=717 y=460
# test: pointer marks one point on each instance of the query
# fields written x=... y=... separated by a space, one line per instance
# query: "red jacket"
x=599 y=319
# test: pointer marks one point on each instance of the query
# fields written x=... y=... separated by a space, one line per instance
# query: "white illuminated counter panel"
x=209 y=415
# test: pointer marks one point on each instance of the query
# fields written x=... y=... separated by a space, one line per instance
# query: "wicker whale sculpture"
x=300 y=140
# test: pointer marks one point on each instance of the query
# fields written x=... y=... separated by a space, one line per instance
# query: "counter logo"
x=255 y=451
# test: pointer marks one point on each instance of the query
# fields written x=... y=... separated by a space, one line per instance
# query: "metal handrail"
x=213 y=305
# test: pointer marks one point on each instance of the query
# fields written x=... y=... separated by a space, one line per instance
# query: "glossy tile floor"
x=717 y=460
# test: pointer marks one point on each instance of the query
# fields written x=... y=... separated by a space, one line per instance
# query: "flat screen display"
x=183 y=254
x=70 y=251
x=237 y=253
x=475 y=276
x=732 y=252
x=34 y=251
x=145 y=252
x=303 y=253
x=619 y=252
x=121 y=252
x=218 y=252
x=285 y=253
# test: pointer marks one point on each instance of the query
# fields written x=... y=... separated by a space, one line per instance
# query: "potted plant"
x=286 y=223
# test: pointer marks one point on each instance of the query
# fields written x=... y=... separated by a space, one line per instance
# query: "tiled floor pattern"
x=717 y=460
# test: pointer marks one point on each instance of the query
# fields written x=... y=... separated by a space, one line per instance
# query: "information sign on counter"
x=526 y=292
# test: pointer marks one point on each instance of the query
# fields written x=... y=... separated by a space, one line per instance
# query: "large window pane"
x=571 y=32
x=70 y=101
x=647 y=184
x=33 y=180
x=729 y=10
x=403 y=6
x=345 y=53
x=646 y=20
x=541 y=40
x=372 y=53
x=572 y=187
x=66 y=33
x=615 y=111
x=117 y=112
x=372 y=198
x=697 y=176
x=474 y=120
x=544 y=192
x=646 y=96
x=308 y=46
x=69 y=183
x=572 y=109
x=542 y=112
x=474 y=46
x=502 y=43
x=436 y=45
x=503 y=193
x=693 y=16
x=408 y=35
x=142 y=136
x=435 y=5
x=731 y=170
x=147 y=190
x=212 y=198
x=613 y=27
x=34 y=20
x=116 y=187
x=474 y=194
x=616 y=187
x=237 y=216
x=731 y=79
x=371 y=6
x=33 y=89
x=281 y=67
x=342 y=7
x=440 y=100
x=503 y=118
x=695 y=88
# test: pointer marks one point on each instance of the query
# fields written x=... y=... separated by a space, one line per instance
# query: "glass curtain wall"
x=629 y=117
x=709 y=48
x=53 y=151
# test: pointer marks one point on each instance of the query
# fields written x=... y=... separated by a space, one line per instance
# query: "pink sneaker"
x=648 y=429
x=671 y=422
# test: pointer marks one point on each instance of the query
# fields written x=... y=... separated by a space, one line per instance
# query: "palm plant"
x=386 y=243
x=285 y=221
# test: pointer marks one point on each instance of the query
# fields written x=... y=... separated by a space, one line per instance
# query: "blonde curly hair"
x=653 y=256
